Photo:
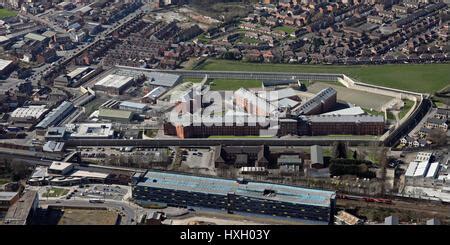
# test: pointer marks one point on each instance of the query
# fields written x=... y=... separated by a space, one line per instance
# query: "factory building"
x=29 y=115
x=56 y=115
x=132 y=106
x=241 y=196
x=154 y=95
x=115 y=115
x=114 y=84
x=159 y=79
x=90 y=131
x=76 y=77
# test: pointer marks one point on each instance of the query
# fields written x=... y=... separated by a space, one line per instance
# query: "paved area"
x=356 y=97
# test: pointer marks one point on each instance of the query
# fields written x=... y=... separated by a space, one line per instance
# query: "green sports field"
x=5 y=13
x=233 y=84
x=425 y=78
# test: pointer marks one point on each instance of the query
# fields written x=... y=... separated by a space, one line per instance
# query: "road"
x=130 y=212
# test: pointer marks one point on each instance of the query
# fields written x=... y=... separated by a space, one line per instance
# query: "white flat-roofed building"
x=422 y=169
x=89 y=175
x=90 y=131
x=61 y=168
x=114 y=84
x=30 y=114
x=433 y=170
x=353 y=111
x=411 y=169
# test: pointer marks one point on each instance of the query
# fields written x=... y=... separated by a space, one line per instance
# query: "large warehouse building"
x=114 y=84
x=181 y=190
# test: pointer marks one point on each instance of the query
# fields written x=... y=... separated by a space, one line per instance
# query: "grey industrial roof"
x=53 y=146
x=36 y=37
x=290 y=159
x=133 y=105
x=316 y=154
x=349 y=119
x=283 y=193
x=54 y=114
x=4 y=63
x=163 y=79
x=316 y=100
x=7 y=196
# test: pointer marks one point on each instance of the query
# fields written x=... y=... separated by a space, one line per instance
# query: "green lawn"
x=55 y=192
x=408 y=105
x=5 y=13
x=286 y=29
x=233 y=84
x=425 y=78
x=373 y=112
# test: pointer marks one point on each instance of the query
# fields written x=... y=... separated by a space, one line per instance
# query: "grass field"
x=5 y=13
x=55 y=192
x=286 y=29
x=233 y=84
x=425 y=78
x=408 y=105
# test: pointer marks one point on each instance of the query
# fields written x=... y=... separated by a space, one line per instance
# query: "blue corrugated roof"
x=283 y=193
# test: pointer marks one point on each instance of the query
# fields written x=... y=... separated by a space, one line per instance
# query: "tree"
x=355 y=154
x=437 y=137
x=339 y=149
x=19 y=170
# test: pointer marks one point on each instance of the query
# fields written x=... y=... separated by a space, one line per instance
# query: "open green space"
x=286 y=29
x=408 y=105
x=5 y=13
x=233 y=84
x=425 y=78
x=373 y=112
x=55 y=192
x=249 y=40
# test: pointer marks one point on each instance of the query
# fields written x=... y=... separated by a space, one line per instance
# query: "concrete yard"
x=357 y=98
